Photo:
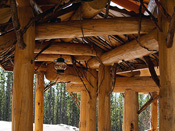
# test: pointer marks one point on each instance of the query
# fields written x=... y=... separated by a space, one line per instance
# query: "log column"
x=154 y=116
x=167 y=73
x=130 y=122
x=91 y=100
x=83 y=106
x=22 y=113
x=104 y=109
x=39 y=101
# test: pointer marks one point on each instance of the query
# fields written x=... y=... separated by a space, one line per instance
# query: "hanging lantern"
x=60 y=65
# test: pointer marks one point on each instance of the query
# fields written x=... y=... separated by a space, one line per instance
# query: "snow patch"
x=7 y=126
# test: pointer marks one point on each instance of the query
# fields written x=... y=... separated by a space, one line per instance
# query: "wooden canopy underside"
x=112 y=40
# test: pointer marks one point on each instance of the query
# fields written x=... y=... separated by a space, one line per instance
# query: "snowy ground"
x=6 y=126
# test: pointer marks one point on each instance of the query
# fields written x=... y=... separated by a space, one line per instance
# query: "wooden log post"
x=39 y=101
x=83 y=107
x=104 y=107
x=91 y=100
x=154 y=115
x=22 y=99
x=167 y=73
x=130 y=122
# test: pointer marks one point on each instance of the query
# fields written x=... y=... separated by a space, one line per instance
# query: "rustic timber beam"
x=67 y=49
x=129 y=74
x=5 y=15
x=70 y=75
x=129 y=5
x=90 y=28
x=146 y=72
x=52 y=57
x=152 y=70
x=90 y=9
x=87 y=10
x=7 y=40
x=48 y=2
x=139 y=84
x=129 y=51
x=151 y=100
x=95 y=27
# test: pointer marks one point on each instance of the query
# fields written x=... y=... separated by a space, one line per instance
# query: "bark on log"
x=95 y=27
x=129 y=51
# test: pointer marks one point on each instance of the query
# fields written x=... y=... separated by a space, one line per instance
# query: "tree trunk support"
x=130 y=122
x=104 y=107
x=154 y=115
x=91 y=100
x=39 y=102
x=167 y=72
x=22 y=100
x=83 y=106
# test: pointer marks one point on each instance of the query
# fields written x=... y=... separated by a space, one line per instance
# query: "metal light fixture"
x=60 y=65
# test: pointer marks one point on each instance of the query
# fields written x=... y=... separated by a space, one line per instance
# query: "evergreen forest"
x=59 y=106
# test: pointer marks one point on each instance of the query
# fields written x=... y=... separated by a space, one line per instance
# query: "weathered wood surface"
x=154 y=116
x=83 y=106
x=129 y=51
x=104 y=105
x=167 y=73
x=91 y=100
x=72 y=29
x=87 y=10
x=129 y=5
x=70 y=75
x=90 y=9
x=67 y=49
x=139 y=84
x=5 y=15
x=131 y=106
x=39 y=101
x=23 y=77
x=7 y=40
x=52 y=57
x=146 y=72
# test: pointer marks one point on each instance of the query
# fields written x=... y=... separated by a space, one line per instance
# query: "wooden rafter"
x=129 y=51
